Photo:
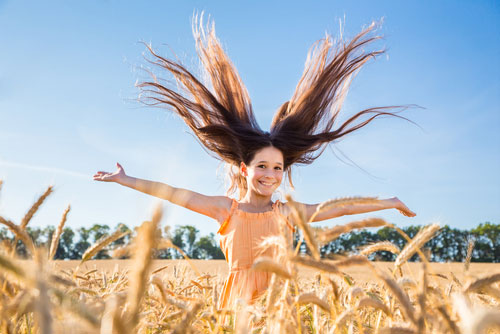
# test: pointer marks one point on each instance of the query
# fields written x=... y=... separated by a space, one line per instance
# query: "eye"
x=277 y=168
x=261 y=166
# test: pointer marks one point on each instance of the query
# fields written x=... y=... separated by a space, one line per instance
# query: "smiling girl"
x=222 y=119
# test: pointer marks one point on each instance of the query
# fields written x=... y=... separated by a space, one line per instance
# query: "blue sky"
x=68 y=109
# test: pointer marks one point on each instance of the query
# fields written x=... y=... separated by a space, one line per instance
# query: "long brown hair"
x=220 y=113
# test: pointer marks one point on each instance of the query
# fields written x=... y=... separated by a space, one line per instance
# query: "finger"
x=119 y=166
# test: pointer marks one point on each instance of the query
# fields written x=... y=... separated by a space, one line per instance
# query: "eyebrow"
x=279 y=163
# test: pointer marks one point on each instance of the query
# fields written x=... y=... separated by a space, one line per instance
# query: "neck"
x=256 y=200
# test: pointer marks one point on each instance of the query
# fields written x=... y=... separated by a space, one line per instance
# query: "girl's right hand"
x=118 y=175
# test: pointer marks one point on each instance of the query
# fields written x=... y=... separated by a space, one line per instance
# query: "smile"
x=267 y=184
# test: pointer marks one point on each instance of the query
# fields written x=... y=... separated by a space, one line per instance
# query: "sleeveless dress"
x=240 y=236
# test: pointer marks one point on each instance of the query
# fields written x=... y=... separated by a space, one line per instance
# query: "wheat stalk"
x=101 y=243
x=144 y=243
x=333 y=233
x=452 y=326
x=321 y=265
x=57 y=234
x=111 y=322
x=401 y=296
x=76 y=307
x=43 y=304
x=416 y=243
x=298 y=213
x=468 y=257
x=159 y=284
x=34 y=208
x=182 y=327
x=20 y=234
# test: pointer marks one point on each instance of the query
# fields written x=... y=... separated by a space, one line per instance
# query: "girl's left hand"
x=402 y=208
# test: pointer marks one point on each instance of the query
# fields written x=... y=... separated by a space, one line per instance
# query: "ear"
x=243 y=169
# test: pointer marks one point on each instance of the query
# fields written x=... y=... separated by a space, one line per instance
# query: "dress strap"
x=223 y=226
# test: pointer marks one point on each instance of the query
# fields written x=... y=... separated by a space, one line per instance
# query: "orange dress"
x=241 y=234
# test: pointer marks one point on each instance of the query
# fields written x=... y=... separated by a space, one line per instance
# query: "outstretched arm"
x=216 y=207
x=390 y=203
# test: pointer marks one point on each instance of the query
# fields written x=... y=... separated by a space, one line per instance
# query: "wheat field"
x=306 y=294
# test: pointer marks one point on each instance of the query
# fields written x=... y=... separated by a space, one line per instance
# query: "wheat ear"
x=159 y=285
x=7 y=264
x=416 y=243
x=333 y=233
x=20 y=234
x=481 y=282
x=341 y=202
x=401 y=296
x=355 y=260
x=267 y=264
x=468 y=257
x=34 y=208
x=57 y=234
x=307 y=298
x=101 y=243
x=298 y=214
x=380 y=246
x=374 y=303
x=321 y=265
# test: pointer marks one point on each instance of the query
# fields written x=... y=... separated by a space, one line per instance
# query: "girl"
x=222 y=119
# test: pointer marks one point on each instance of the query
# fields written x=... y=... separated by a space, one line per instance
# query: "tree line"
x=450 y=244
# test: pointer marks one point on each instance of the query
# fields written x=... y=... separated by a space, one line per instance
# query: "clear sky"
x=68 y=105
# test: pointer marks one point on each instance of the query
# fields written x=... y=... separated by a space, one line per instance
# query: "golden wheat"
x=34 y=208
x=176 y=298
x=333 y=233
x=380 y=246
x=417 y=242
x=19 y=234
x=341 y=202
x=101 y=243
x=57 y=234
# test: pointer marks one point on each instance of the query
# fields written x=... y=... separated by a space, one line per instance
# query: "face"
x=265 y=172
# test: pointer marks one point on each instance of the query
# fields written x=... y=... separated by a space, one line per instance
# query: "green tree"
x=487 y=247
x=208 y=248
x=83 y=243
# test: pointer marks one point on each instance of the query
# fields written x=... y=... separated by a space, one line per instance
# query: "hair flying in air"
x=220 y=114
